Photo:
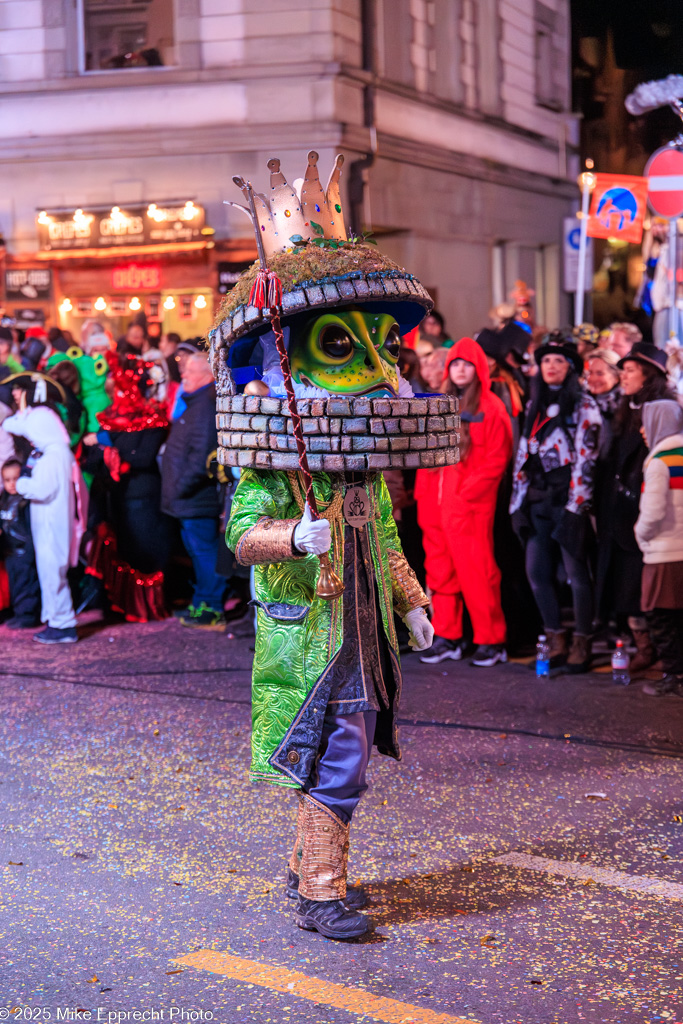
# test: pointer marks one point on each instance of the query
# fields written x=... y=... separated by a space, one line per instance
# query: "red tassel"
x=274 y=289
x=257 y=295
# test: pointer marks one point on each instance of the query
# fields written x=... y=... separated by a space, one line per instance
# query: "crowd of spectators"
x=541 y=528
x=111 y=492
x=563 y=515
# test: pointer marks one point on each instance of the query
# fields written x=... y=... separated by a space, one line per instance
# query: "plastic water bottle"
x=542 y=657
x=621 y=673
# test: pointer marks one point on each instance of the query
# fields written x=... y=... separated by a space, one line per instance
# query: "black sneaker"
x=53 y=635
x=443 y=649
x=664 y=687
x=332 y=918
x=487 y=655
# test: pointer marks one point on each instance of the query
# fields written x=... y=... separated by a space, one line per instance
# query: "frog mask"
x=92 y=373
x=349 y=353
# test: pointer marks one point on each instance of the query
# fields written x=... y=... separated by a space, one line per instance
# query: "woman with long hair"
x=618 y=487
x=551 y=494
x=456 y=507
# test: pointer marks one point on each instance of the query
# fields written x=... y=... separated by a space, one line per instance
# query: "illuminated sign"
x=28 y=283
x=136 y=277
x=120 y=225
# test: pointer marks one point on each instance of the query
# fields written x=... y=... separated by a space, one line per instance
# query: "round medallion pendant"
x=357 y=507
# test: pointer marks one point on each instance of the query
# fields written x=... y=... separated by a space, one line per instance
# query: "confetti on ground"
x=130 y=850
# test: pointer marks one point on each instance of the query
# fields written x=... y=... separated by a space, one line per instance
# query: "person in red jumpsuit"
x=456 y=507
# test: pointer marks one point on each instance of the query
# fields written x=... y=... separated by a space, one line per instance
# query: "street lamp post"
x=586 y=182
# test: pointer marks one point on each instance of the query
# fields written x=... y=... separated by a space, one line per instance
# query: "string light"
x=117 y=217
x=100 y=304
x=135 y=303
x=190 y=209
x=200 y=302
x=155 y=213
x=43 y=217
x=169 y=302
x=65 y=306
x=81 y=219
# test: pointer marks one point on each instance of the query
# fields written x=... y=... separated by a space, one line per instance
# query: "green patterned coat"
x=299 y=634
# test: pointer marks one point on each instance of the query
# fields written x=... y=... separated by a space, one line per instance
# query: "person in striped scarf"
x=659 y=532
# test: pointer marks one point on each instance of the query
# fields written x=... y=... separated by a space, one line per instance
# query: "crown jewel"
x=289 y=211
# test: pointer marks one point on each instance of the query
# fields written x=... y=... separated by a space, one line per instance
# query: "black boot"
x=332 y=918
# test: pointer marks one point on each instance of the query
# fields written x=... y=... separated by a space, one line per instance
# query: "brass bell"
x=329 y=585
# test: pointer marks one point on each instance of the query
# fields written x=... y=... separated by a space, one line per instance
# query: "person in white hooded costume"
x=50 y=490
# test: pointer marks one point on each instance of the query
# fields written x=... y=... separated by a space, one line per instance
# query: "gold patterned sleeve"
x=268 y=540
x=261 y=524
x=405 y=587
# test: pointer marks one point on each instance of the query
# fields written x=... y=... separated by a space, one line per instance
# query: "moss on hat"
x=316 y=277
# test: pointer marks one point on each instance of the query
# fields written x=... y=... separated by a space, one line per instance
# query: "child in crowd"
x=17 y=547
x=659 y=532
x=7 y=360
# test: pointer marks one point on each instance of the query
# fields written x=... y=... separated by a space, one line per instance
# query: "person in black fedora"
x=552 y=492
x=617 y=495
x=646 y=355
x=558 y=343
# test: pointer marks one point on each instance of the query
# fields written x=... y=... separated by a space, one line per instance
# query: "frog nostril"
x=368 y=362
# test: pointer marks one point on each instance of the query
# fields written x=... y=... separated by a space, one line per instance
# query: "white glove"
x=312 y=535
x=421 y=629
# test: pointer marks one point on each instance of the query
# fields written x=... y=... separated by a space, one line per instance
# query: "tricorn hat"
x=40 y=389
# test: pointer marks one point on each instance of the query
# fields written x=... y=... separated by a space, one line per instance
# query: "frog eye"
x=74 y=352
x=101 y=366
x=392 y=343
x=335 y=342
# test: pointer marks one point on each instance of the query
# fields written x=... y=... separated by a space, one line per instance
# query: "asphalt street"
x=524 y=859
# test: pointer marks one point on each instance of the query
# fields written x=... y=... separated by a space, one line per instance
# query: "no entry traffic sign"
x=664 y=172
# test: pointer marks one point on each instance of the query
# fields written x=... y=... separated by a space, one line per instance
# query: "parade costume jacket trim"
x=294 y=653
x=579 y=449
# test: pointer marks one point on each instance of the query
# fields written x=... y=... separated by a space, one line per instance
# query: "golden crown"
x=302 y=212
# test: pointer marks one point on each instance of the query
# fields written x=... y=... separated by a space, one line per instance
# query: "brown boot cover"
x=322 y=870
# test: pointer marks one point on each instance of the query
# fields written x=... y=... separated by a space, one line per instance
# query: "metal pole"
x=580 y=294
x=673 y=268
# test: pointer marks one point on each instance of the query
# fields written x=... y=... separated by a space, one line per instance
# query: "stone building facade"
x=454 y=116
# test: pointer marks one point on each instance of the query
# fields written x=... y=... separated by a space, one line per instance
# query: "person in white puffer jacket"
x=50 y=490
x=659 y=533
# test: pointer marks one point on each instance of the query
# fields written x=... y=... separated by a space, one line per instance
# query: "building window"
x=121 y=34
x=549 y=59
x=498 y=273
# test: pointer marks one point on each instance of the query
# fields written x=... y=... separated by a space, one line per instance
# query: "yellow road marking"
x=326 y=993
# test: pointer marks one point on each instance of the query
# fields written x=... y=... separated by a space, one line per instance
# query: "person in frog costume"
x=92 y=373
x=326 y=674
